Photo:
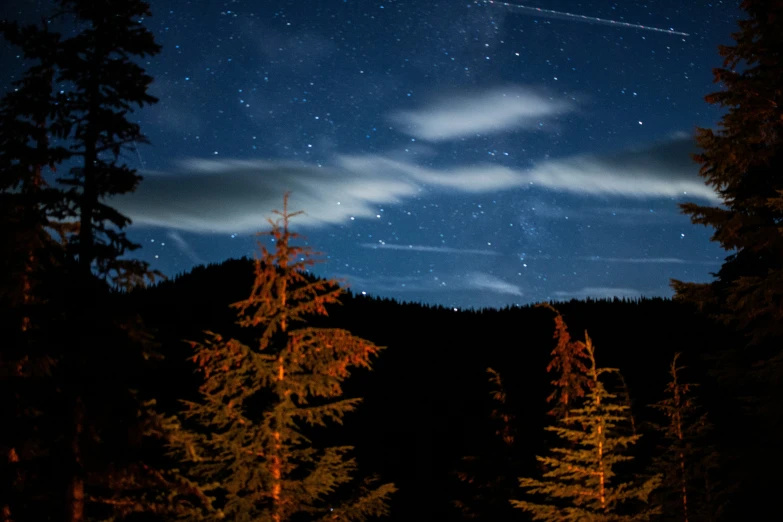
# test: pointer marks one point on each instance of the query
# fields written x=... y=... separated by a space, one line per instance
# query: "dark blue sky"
x=455 y=152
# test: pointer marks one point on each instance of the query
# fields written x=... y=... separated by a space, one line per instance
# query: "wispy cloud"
x=649 y=260
x=233 y=196
x=482 y=281
x=662 y=170
x=424 y=248
x=429 y=283
x=599 y=292
x=471 y=178
x=236 y=196
x=488 y=112
x=184 y=247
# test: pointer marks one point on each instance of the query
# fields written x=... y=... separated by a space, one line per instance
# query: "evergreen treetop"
x=569 y=364
x=247 y=446
x=26 y=200
x=102 y=84
x=581 y=482
x=743 y=161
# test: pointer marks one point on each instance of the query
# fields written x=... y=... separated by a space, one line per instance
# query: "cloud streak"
x=490 y=112
x=472 y=281
x=236 y=196
x=185 y=247
x=599 y=293
x=650 y=260
x=665 y=169
x=487 y=282
x=424 y=248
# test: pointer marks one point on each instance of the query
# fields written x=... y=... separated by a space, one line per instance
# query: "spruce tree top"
x=743 y=162
x=102 y=83
x=248 y=439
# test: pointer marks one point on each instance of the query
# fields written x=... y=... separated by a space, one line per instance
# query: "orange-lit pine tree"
x=569 y=364
x=687 y=464
x=243 y=443
x=581 y=482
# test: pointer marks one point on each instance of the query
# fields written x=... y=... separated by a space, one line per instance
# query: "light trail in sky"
x=548 y=13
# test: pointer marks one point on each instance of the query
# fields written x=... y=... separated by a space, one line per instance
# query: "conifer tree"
x=105 y=83
x=30 y=257
x=26 y=199
x=687 y=462
x=582 y=482
x=79 y=96
x=742 y=160
x=569 y=364
x=244 y=443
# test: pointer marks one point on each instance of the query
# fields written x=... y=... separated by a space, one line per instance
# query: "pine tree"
x=244 y=443
x=569 y=359
x=581 y=481
x=104 y=84
x=25 y=151
x=79 y=96
x=687 y=462
x=743 y=160
x=30 y=258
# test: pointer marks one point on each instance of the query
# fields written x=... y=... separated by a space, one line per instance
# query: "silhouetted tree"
x=581 y=482
x=687 y=463
x=98 y=84
x=29 y=257
x=247 y=447
x=26 y=199
x=742 y=161
x=104 y=83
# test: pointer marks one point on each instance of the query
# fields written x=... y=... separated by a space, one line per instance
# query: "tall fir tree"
x=687 y=462
x=27 y=201
x=97 y=83
x=245 y=442
x=581 y=481
x=30 y=257
x=104 y=83
x=743 y=161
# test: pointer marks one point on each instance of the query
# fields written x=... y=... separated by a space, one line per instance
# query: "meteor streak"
x=547 y=13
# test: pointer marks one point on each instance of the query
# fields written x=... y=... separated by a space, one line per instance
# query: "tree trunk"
x=75 y=508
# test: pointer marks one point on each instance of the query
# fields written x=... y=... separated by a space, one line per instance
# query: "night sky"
x=460 y=153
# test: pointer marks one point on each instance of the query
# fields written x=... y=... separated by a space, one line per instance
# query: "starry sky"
x=461 y=153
